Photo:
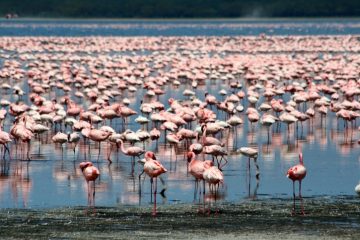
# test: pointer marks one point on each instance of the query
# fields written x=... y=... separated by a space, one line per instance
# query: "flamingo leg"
x=196 y=188
x=257 y=170
x=154 y=211
x=151 y=181
x=28 y=151
x=93 y=194
x=99 y=152
x=88 y=186
x=140 y=181
x=222 y=165
x=203 y=187
x=62 y=152
x=301 y=200
x=293 y=210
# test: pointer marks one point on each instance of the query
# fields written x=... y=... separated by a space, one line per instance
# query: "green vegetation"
x=180 y=8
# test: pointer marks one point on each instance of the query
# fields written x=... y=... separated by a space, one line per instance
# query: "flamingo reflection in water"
x=153 y=169
x=297 y=173
x=91 y=173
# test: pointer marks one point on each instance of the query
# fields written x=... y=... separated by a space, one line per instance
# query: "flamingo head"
x=150 y=154
x=171 y=100
x=84 y=165
x=190 y=155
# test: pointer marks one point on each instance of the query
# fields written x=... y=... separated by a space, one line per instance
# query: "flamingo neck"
x=122 y=147
x=203 y=137
x=301 y=160
x=192 y=157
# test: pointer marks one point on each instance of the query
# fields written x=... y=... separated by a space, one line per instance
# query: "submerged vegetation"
x=180 y=8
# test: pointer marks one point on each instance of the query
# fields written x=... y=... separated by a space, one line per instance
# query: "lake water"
x=52 y=179
x=71 y=28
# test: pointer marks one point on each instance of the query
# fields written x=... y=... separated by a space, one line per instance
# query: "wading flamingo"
x=197 y=168
x=153 y=169
x=91 y=173
x=4 y=139
x=213 y=176
x=297 y=173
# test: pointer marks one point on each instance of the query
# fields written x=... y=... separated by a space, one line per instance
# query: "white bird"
x=357 y=189
x=251 y=153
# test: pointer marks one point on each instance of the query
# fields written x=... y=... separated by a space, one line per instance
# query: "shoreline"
x=260 y=219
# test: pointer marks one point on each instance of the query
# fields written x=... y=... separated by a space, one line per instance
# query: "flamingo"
x=153 y=169
x=4 y=139
x=213 y=176
x=132 y=151
x=297 y=173
x=60 y=138
x=197 y=168
x=73 y=137
x=20 y=132
x=99 y=136
x=251 y=153
x=216 y=150
x=91 y=173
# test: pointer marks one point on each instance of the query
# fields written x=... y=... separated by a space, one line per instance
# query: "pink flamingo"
x=153 y=169
x=132 y=151
x=91 y=173
x=60 y=138
x=297 y=173
x=73 y=109
x=213 y=176
x=197 y=168
x=99 y=136
x=20 y=132
x=4 y=139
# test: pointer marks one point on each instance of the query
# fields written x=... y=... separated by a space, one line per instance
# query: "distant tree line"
x=180 y=8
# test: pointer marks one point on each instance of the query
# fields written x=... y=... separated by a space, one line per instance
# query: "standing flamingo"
x=99 y=136
x=4 y=139
x=213 y=176
x=20 y=131
x=197 y=168
x=153 y=169
x=297 y=173
x=91 y=173
x=60 y=138
x=251 y=153
x=132 y=151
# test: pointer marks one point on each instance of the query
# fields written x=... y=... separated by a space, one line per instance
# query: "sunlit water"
x=52 y=179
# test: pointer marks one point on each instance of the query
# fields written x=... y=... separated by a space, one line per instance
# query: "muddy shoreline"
x=260 y=219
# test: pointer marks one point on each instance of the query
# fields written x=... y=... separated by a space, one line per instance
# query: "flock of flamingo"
x=89 y=90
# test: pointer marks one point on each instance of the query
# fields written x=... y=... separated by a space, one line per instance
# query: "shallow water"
x=49 y=191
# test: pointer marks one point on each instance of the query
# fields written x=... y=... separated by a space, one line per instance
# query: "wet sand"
x=326 y=218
